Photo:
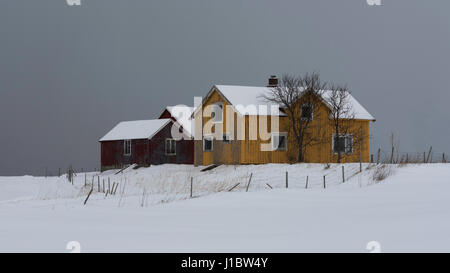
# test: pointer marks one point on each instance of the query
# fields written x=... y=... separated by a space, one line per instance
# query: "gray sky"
x=69 y=74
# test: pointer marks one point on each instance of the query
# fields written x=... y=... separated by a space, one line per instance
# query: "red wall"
x=146 y=152
x=112 y=153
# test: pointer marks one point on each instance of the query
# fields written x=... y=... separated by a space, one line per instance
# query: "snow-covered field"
x=152 y=210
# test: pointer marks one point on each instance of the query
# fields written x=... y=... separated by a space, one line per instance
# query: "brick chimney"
x=273 y=81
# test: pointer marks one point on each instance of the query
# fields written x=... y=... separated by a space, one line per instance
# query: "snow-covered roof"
x=182 y=114
x=243 y=98
x=136 y=129
x=356 y=108
x=251 y=95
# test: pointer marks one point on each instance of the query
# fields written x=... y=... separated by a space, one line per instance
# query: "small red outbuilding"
x=150 y=142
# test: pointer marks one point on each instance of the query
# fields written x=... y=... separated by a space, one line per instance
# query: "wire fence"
x=398 y=157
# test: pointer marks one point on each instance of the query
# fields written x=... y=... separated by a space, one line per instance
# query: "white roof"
x=182 y=114
x=251 y=95
x=137 y=129
x=356 y=109
x=244 y=98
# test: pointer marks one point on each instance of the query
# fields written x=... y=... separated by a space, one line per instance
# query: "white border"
x=279 y=134
x=124 y=147
x=332 y=144
x=165 y=146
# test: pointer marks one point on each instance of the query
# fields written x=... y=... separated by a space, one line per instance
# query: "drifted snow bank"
x=408 y=211
x=166 y=183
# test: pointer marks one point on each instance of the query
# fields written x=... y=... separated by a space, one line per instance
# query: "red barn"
x=150 y=142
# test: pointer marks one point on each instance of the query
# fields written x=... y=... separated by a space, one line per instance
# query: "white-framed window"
x=226 y=138
x=207 y=143
x=217 y=113
x=342 y=143
x=279 y=141
x=307 y=111
x=127 y=147
x=171 y=146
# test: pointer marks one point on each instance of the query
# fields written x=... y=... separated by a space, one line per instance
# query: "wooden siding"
x=249 y=151
x=113 y=157
x=184 y=149
x=146 y=152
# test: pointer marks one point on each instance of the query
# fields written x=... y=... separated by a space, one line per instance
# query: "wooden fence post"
x=287 y=183
x=192 y=185
x=407 y=158
x=443 y=158
x=103 y=186
x=324 y=182
x=307 y=178
x=109 y=188
x=250 y=180
x=429 y=155
x=89 y=194
x=392 y=149
x=232 y=188
x=424 y=160
x=98 y=183
x=371 y=158
x=343 y=174
x=378 y=156
x=59 y=172
x=85 y=178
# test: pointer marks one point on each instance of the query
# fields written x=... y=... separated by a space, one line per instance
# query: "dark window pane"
x=208 y=145
x=170 y=146
x=226 y=139
x=281 y=142
x=339 y=144
x=306 y=111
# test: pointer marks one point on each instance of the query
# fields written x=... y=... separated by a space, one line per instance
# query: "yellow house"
x=236 y=125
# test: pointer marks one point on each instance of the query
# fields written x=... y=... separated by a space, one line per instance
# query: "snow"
x=250 y=95
x=244 y=98
x=137 y=129
x=357 y=111
x=183 y=114
x=407 y=212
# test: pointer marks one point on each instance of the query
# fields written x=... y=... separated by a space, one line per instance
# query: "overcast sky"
x=69 y=74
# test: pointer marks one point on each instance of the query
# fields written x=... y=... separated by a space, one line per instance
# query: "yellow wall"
x=249 y=152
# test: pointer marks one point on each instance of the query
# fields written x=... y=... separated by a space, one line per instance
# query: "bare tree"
x=341 y=115
x=299 y=97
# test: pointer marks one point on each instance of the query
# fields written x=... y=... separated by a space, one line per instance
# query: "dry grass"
x=381 y=172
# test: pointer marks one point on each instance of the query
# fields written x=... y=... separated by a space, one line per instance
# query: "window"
x=127 y=147
x=226 y=138
x=307 y=111
x=207 y=144
x=279 y=141
x=171 y=147
x=343 y=144
x=217 y=114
